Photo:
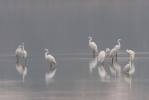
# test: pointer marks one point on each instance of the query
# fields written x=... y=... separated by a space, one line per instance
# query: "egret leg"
x=102 y=63
x=112 y=60
x=93 y=53
x=25 y=61
x=116 y=56
x=50 y=65
x=17 y=58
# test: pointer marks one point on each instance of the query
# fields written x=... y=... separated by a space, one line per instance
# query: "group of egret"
x=21 y=52
x=102 y=54
x=113 y=53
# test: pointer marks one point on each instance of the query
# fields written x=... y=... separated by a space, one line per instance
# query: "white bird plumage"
x=117 y=47
x=129 y=68
x=102 y=55
x=131 y=54
x=112 y=53
x=24 y=53
x=93 y=46
x=18 y=52
x=50 y=58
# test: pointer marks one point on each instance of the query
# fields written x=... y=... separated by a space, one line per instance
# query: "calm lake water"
x=76 y=77
x=62 y=26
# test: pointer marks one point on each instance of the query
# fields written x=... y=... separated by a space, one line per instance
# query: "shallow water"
x=72 y=78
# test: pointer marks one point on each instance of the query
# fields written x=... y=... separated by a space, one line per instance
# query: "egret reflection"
x=127 y=78
x=117 y=66
x=102 y=73
x=93 y=63
x=21 y=69
x=112 y=68
x=49 y=75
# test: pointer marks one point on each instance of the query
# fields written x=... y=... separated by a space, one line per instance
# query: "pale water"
x=74 y=77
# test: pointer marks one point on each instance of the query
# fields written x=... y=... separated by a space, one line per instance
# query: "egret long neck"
x=119 y=42
x=130 y=63
x=46 y=54
x=90 y=40
x=106 y=52
x=22 y=47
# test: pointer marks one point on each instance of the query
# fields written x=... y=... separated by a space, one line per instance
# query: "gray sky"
x=63 y=25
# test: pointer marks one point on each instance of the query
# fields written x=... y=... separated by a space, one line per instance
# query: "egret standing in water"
x=129 y=68
x=131 y=54
x=18 y=52
x=24 y=53
x=50 y=58
x=112 y=53
x=102 y=55
x=117 y=47
x=93 y=46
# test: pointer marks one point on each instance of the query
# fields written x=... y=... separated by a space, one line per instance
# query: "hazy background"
x=63 y=25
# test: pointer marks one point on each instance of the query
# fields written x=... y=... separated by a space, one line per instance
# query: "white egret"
x=50 y=58
x=118 y=47
x=131 y=54
x=112 y=53
x=93 y=46
x=18 y=52
x=129 y=68
x=102 y=55
x=24 y=53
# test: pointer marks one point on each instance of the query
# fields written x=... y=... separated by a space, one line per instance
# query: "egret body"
x=118 y=47
x=93 y=46
x=112 y=53
x=129 y=68
x=102 y=55
x=131 y=54
x=24 y=53
x=49 y=58
x=18 y=52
